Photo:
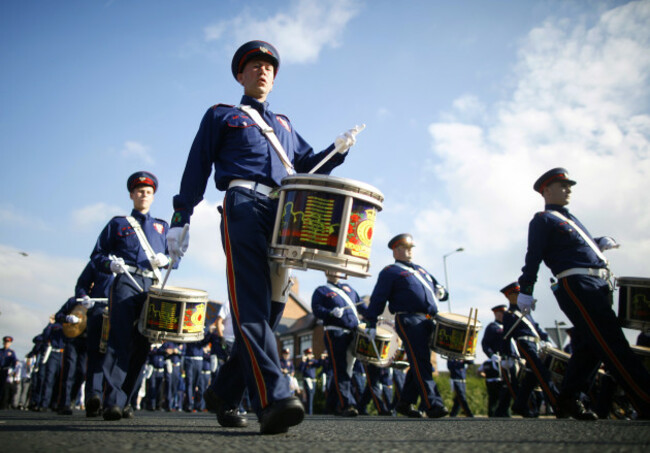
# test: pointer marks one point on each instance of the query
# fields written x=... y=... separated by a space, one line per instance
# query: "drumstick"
x=96 y=299
x=171 y=263
x=521 y=318
x=126 y=271
x=469 y=322
x=336 y=149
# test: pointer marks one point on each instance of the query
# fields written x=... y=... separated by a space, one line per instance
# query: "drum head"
x=456 y=320
x=74 y=330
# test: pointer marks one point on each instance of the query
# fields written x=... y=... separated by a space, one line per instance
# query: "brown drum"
x=644 y=354
x=380 y=352
x=556 y=360
x=455 y=336
x=174 y=314
x=74 y=330
x=325 y=223
x=634 y=302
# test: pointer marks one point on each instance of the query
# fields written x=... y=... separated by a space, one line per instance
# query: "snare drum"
x=556 y=361
x=644 y=354
x=174 y=314
x=400 y=361
x=455 y=336
x=634 y=302
x=325 y=223
x=382 y=352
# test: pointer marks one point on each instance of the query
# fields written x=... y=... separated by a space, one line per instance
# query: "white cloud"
x=302 y=30
x=10 y=216
x=95 y=214
x=137 y=151
x=581 y=102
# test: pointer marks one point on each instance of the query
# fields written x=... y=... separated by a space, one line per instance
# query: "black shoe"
x=93 y=406
x=572 y=407
x=113 y=413
x=350 y=411
x=128 y=412
x=408 y=409
x=228 y=418
x=437 y=412
x=525 y=413
x=65 y=411
x=277 y=417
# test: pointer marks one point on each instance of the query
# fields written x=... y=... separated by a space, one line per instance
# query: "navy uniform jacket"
x=175 y=357
x=39 y=346
x=308 y=368
x=118 y=238
x=233 y=143
x=523 y=329
x=195 y=349
x=404 y=292
x=492 y=339
x=157 y=358
x=558 y=245
x=287 y=367
x=457 y=368
x=325 y=299
x=92 y=283
x=7 y=358
x=53 y=334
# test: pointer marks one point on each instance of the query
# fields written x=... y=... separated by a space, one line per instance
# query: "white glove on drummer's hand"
x=347 y=139
x=607 y=243
x=175 y=246
x=72 y=319
x=371 y=333
x=337 y=312
x=161 y=260
x=495 y=360
x=526 y=303
x=87 y=302
x=117 y=265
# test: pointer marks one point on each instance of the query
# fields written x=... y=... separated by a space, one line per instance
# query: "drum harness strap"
x=151 y=255
x=346 y=298
x=603 y=273
x=419 y=276
x=270 y=135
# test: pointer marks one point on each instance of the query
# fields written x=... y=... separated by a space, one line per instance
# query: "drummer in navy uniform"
x=337 y=304
x=134 y=248
x=491 y=344
x=52 y=361
x=93 y=288
x=458 y=375
x=249 y=169
x=307 y=368
x=412 y=294
x=584 y=293
x=75 y=357
x=529 y=338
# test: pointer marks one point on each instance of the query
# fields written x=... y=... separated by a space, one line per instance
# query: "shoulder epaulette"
x=222 y=105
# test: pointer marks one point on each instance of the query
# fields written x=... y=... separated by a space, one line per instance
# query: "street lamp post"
x=444 y=265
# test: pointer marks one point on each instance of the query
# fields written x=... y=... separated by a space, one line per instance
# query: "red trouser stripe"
x=372 y=393
x=603 y=344
x=538 y=375
x=230 y=271
x=414 y=362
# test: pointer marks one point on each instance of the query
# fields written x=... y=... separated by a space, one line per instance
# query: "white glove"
x=161 y=260
x=72 y=319
x=440 y=292
x=526 y=303
x=371 y=333
x=347 y=139
x=606 y=243
x=87 y=302
x=495 y=360
x=337 y=312
x=175 y=246
x=117 y=265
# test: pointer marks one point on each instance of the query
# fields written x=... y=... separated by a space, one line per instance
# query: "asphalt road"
x=153 y=432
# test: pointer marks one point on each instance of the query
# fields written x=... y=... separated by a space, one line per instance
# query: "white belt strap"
x=270 y=135
x=600 y=273
x=252 y=185
x=345 y=297
x=590 y=242
x=525 y=320
x=419 y=276
x=148 y=251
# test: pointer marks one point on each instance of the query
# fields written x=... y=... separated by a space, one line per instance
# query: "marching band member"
x=8 y=362
x=528 y=337
x=132 y=247
x=497 y=385
x=52 y=362
x=252 y=149
x=75 y=357
x=91 y=286
x=412 y=294
x=584 y=293
x=458 y=374
x=335 y=303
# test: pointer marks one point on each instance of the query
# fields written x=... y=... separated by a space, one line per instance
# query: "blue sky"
x=466 y=103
